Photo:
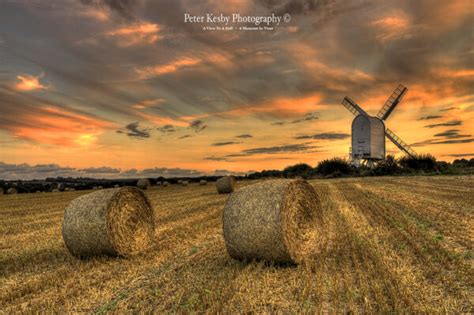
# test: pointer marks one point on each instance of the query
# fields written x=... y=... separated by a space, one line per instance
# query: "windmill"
x=369 y=132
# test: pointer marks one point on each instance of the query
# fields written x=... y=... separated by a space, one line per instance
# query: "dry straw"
x=143 y=183
x=116 y=221
x=203 y=182
x=225 y=185
x=273 y=220
x=12 y=191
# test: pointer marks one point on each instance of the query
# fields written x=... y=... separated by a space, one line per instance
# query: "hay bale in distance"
x=143 y=183
x=116 y=186
x=225 y=185
x=12 y=191
x=55 y=190
x=158 y=183
x=184 y=183
x=273 y=220
x=116 y=221
x=179 y=181
x=165 y=184
x=203 y=182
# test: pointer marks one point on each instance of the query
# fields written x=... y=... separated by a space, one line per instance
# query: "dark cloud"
x=430 y=142
x=125 y=8
x=215 y=158
x=244 y=136
x=430 y=117
x=197 y=125
x=325 y=136
x=221 y=144
x=460 y=155
x=133 y=130
x=278 y=123
x=451 y=134
x=447 y=124
x=166 y=129
x=290 y=148
x=101 y=170
x=306 y=118
x=448 y=109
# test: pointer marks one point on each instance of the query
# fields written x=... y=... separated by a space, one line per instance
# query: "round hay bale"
x=61 y=186
x=203 y=182
x=116 y=221
x=116 y=186
x=100 y=187
x=184 y=183
x=12 y=191
x=273 y=220
x=158 y=183
x=225 y=185
x=54 y=190
x=179 y=181
x=143 y=183
x=165 y=184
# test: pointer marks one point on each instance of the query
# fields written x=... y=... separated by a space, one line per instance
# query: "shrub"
x=299 y=170
x=388 y=166
x=334 y=165
x=422 y=162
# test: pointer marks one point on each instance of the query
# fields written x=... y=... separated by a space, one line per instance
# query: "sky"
x=126 y=88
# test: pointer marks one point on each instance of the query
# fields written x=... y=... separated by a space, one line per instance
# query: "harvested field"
x=395 y=244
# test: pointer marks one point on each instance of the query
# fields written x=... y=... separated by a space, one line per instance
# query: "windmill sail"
x=353 y=107
x=392 y=102
x=399 y=143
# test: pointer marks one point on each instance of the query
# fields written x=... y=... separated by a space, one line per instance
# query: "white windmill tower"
x=369 y=132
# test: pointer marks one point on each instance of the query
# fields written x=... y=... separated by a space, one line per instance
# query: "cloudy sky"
x=126 y=88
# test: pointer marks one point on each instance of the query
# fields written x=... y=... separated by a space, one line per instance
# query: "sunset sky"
x=125 y=88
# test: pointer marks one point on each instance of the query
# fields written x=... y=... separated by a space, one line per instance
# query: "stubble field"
x=398 y=244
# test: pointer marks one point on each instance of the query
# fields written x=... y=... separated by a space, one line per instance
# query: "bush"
x=388 y=166
x=299 y=170
x=422 y=162
x=334 y=166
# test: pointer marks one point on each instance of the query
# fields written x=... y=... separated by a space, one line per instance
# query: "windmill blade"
x=399 y=143
x=353 y=107
x=392 y=102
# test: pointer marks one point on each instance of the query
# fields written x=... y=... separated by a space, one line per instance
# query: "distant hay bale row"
x=273 y=220
x=116 y=221
x=12 y=191
x=143 y=183
x=225 y=185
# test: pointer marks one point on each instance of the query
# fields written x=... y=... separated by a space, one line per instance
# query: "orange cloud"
x=60 y=127
x=29 y=83
x=460 y=73
x=138 y=34
x=148 y=103
x=309 y=59
x=149 y=72
x=395 y=26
